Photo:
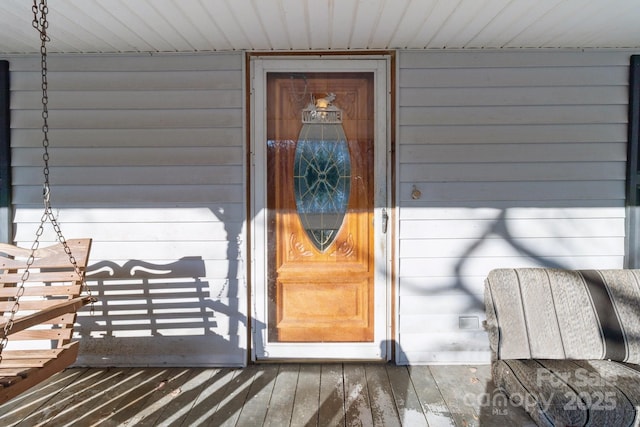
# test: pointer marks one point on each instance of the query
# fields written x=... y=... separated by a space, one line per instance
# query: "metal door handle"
x=385 y=221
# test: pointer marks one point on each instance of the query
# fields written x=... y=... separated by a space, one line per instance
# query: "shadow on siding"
x=159 y=314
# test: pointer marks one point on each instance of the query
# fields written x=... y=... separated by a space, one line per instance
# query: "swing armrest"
x=39 y=317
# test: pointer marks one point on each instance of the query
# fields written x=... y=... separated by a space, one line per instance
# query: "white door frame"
x=380 y=348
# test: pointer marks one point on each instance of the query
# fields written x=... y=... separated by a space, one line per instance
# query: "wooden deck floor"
x=268 y=395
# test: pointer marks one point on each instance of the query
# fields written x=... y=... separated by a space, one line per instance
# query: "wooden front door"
x=320 y=207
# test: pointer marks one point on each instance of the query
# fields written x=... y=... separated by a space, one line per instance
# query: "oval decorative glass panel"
x=322 y=174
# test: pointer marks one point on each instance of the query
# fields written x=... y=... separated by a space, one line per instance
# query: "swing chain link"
x=40 y=23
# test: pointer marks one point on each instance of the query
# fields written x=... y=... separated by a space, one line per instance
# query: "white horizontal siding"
x=155 y=138
x=496 y=246
x=131 y=99
x=124 y=80
x=549 y=133
x=519 y=160
x=133 y=156
x=147 y=159
x=214 y=171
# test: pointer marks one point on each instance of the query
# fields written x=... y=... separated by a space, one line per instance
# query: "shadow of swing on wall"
x=164 y=314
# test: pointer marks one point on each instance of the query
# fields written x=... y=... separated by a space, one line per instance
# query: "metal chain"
x=41 y=24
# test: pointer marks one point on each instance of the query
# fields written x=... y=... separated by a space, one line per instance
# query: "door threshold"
x=308 y=361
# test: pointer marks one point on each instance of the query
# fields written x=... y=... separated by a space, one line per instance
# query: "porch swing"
x=41 y=289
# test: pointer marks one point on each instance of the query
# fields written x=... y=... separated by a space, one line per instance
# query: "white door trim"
x=380 y=348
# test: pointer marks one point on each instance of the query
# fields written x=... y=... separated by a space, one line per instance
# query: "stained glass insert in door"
x=322 y=176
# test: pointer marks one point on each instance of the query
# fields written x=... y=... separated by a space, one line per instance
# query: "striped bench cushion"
x=540 y=313
x=572 y=393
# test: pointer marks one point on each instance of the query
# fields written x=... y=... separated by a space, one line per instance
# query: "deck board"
x=435 y=408
x=119 y=396
x=210 y=394
x=454 y=383
x=33 y=400
x=281 y=404
x=383 y=406
x=331 y=408
x=235 y=394
x=90 y=383
x=126 y=402
x=410 y=412
x=105 y=396
x=150 y=409
x=254 y=410
x=357 y=405
x=267 y=395
x=307 y=396
x=183 y=399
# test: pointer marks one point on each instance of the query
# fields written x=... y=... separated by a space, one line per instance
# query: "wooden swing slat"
x=29 y=354
x=66 y=319
x=40 y=317
x=64 y=334
x=13 y=385
x=50 y=257
x=41 y=276
x=48 y=319
x=20 y=364
x=31 y=305
x=40 y=291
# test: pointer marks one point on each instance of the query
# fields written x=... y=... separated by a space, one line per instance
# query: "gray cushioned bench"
x=565 y=344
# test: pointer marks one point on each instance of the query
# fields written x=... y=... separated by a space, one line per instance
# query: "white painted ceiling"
x=79 y=26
